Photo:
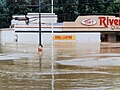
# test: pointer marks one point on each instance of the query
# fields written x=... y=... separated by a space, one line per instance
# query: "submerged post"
x=40 y=44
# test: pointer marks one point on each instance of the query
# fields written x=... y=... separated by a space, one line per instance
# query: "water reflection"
x=90 y=67
x=40 y=53
x=63 y=66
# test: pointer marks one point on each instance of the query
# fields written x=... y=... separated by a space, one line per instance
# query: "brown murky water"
x=66 y=66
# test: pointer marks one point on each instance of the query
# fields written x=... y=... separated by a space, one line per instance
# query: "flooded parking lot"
x=63 y=66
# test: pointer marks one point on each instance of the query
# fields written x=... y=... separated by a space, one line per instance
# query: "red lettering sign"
x=106 y=21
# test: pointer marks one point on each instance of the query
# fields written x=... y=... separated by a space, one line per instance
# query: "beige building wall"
x=79 y=26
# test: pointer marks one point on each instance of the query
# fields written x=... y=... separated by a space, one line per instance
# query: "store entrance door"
x=104 y=38
x=118 y=38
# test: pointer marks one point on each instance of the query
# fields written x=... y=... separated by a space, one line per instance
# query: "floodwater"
x=63 y=66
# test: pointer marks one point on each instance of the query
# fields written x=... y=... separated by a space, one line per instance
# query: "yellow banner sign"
x=64 y=37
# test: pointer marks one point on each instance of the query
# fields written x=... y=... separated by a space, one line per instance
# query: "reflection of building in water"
x=68 y=50
x=83 y=29
x=110 y=48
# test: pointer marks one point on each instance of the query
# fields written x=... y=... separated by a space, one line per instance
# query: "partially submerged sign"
x=64 y=37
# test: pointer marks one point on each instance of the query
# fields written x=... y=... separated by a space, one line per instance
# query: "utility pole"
x=39 y=36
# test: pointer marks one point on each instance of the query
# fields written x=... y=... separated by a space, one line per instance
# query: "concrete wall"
x=88 y=37
x=7 y=35
x=34 y=18
x=47 y=37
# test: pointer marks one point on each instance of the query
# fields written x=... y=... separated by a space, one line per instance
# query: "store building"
x=108 y=26
x=84 y=29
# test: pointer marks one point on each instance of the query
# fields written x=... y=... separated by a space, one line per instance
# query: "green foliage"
x=74 y=8
x=114 y=8
x=9 y=8
x=67 y=10
x=4 y=18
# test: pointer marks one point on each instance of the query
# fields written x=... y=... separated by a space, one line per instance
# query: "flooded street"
x=64 y=66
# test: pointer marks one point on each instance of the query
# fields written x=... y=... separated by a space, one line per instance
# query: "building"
x=85 y=29
x=107 y=26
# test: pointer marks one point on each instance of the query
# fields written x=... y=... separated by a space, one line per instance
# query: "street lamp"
x=51 y=6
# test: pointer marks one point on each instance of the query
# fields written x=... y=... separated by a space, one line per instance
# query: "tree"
x=4 y=19
x=114 y=8
x=67 y=10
